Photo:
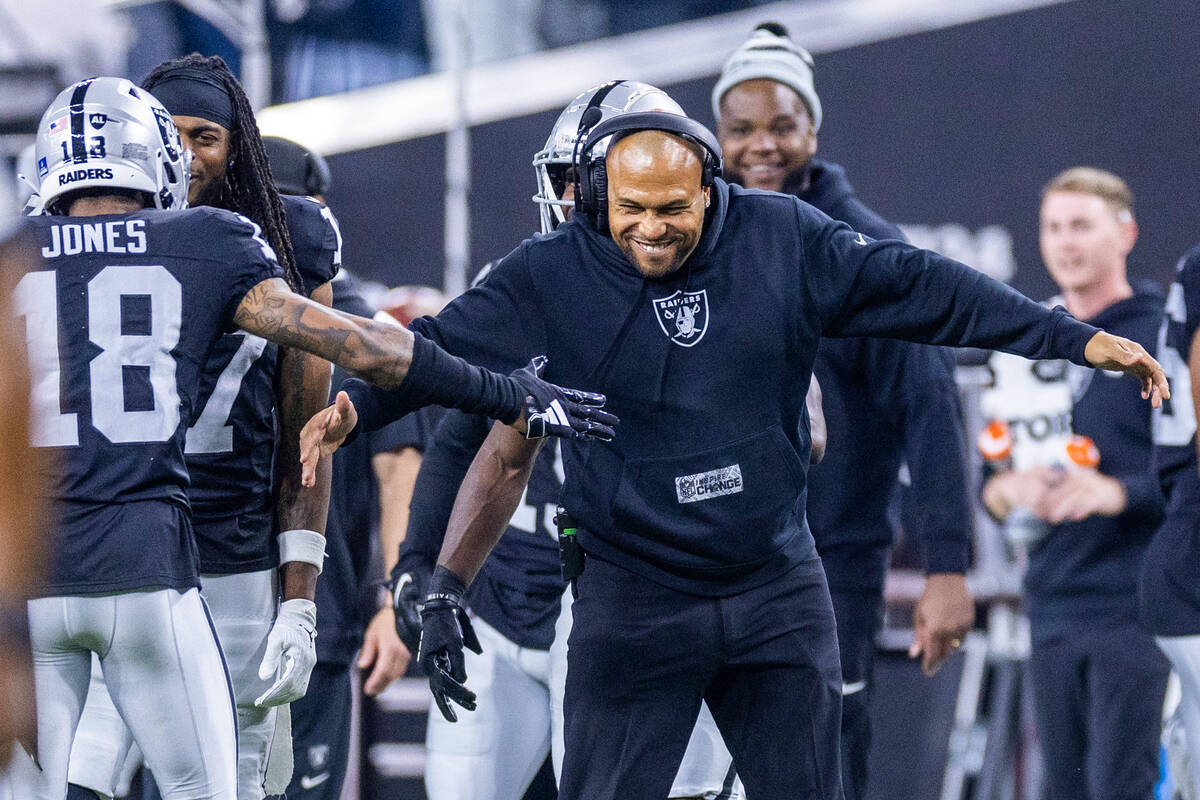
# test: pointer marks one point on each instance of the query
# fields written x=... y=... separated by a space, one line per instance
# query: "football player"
x=382 y=465
x=119 y=324
x=232 y=446
x=1168 y=592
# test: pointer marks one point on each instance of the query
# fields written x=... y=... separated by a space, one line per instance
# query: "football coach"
x=696 y=306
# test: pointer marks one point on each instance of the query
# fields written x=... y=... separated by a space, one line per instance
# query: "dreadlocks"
x=248 y=187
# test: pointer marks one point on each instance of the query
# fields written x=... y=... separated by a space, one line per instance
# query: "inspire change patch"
x=706 y=485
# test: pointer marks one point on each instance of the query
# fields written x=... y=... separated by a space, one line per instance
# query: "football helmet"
x=552 y=164
x=108 y=132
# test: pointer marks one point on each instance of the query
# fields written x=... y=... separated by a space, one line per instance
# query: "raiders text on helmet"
x=108 y=132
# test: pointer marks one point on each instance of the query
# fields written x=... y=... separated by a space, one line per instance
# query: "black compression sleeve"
x=436 y=378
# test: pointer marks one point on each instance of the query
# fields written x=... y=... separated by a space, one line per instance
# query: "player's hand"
x=1080 y=494
x=322 y=435
x=292 y=644
x=408 y=591
x=382 y=652
x=943 y=617
x=1105 y=351
x=445 y=631
x=554 y=411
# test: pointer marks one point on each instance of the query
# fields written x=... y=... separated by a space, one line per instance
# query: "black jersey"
x=1168 y=592
x=1175 y=421
x=120 y=320
x=230 y=446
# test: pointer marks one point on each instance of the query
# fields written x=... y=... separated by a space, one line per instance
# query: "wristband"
x=307 y=547
x=445 y=585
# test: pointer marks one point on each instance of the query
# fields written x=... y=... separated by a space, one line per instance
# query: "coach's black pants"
x=1098 y=697
x=641 y=657
x=856 y=573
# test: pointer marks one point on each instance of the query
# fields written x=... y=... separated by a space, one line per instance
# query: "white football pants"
x=1184 y=654
x=165 y=674
x=493 y=752
x=243 y=608
x=707 y=767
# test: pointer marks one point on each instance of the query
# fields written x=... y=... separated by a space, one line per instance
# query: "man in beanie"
x=886 y=401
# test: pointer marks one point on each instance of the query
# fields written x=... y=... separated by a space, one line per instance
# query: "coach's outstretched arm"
x=890 y=288
x=416 y=371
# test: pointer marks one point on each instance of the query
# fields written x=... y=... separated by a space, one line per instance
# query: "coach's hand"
x=1105 y=351
x=445 y=630
x=554 y=411
x=323 y=434
x=942 y=618
x=292 y=642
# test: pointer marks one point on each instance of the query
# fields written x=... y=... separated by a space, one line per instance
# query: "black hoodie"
x=704 y=487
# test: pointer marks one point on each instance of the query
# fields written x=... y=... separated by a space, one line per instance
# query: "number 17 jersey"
x=231 y=445
x=120 y=320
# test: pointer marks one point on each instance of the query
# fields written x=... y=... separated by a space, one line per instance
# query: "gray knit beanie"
x=769 y=53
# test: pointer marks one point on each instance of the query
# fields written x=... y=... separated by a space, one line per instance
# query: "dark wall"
x=961 y=125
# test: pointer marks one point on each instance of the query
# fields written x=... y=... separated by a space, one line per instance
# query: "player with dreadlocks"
x=249 y=540
x=242 y=181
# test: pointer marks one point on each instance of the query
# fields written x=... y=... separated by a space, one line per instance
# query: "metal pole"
x=457 y=242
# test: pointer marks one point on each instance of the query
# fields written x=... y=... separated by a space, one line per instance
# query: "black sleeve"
x=496 y=325
x=443 y=468
x=865 y=287
x=915 y=384
x=1189 y=280
x=246 y=255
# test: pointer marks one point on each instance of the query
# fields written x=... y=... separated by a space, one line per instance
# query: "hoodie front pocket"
x=709 y=508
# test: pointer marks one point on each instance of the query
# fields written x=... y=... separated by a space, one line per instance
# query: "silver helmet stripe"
x=78 y=145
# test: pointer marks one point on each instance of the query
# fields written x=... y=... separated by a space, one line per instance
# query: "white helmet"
x=108 y=132
x=553 y=162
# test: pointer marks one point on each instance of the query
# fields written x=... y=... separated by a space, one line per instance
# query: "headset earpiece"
x=586 y=198
x=600 y=187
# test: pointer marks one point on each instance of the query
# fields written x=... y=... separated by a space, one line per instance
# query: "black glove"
x=445 y=630
x=554 y=411
x=408 y=589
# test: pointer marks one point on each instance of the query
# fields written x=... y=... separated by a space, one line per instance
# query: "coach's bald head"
x=656 y=200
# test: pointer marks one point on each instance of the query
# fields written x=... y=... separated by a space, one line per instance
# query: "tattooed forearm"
x=377 y=352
